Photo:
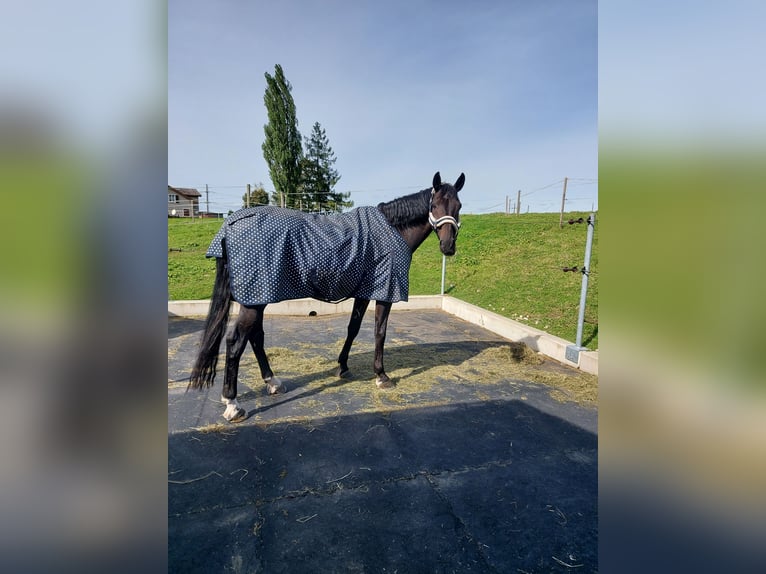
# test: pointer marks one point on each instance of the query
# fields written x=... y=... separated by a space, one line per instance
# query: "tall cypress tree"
x=319 y=176
x=282 y=148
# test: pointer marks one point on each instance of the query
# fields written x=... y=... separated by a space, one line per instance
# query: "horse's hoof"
x=275 y=386
x=384 y=383
x=237 y=416
x=233 y=413
x=342 y=373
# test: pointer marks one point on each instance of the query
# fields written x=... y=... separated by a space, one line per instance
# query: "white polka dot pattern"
x=277 y=254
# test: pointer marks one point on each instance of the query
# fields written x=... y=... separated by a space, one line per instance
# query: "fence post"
x=572 y=352
x=563 y=201
x=444 y=270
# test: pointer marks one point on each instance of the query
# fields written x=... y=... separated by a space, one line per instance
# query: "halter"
x=437 y=223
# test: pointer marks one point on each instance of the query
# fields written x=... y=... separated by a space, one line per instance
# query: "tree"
x=341 y=201
x=258 y=196
x=319 y=177
x=282 y=148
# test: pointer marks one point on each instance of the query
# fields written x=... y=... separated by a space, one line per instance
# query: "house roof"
x=185 y=191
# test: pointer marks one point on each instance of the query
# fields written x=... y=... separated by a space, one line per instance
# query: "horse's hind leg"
x=360 y=307
x=236 y=341
x=382 y=309
x=256 y=337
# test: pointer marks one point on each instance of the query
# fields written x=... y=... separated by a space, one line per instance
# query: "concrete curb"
x=540 y=341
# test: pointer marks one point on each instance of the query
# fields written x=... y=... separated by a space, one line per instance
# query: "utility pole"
x=207 y=200
x=506 y=205
x=247 y=197
x=518 y=202
x=563 y=200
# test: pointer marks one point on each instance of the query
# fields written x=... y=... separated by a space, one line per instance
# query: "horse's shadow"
x=415 y=358
x=179 y=326
x=419 y=358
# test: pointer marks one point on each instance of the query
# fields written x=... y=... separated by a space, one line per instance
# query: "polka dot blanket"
x=277 y=254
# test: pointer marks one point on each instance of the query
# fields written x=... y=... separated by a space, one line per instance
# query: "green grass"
x=190 y=273
x=505 y=263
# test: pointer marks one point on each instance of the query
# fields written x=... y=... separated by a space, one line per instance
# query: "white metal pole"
x=444 y=270
x=586 y=271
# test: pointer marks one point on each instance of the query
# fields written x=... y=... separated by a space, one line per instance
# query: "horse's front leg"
x=273 y=384
x=360 y=307
x=382 y=309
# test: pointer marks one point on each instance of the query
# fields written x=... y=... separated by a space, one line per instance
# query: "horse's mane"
x=407 y=210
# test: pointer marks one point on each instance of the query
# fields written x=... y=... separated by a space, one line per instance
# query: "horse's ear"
x=460 y=182
x=437 y=181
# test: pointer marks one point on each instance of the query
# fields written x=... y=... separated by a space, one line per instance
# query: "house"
x=183 y=202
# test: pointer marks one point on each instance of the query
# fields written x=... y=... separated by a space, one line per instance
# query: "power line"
x=582 y=183
x=214 y=187
x=223 y=200
x=491 y=207
x=417 y=187
x=555 y=183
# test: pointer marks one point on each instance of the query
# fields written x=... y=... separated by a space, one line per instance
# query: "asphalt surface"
x=476 y=473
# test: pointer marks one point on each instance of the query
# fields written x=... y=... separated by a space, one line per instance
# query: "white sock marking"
x=274 y=385
x=232 y=408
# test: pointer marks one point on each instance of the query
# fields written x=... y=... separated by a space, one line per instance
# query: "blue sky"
x=506 y=92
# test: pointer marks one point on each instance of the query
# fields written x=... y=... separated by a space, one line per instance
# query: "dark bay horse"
x=408 y=220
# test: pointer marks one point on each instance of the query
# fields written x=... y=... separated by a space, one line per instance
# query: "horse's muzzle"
x=447 y=247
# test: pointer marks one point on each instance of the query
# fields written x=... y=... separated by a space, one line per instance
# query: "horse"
x=379 y=270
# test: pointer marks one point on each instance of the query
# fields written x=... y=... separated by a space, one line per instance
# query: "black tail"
x=203 y=372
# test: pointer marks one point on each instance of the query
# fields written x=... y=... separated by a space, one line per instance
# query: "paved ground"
x=464 y=467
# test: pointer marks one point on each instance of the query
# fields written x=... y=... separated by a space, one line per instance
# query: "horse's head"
x=444 y=212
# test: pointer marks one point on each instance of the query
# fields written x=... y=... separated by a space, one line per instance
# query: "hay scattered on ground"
x=219 y=428
x=426 y=375
x=419 y=376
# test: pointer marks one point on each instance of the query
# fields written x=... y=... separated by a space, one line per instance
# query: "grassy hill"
x=508 y=264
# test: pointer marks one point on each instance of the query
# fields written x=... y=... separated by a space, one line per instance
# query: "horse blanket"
x=276 y=254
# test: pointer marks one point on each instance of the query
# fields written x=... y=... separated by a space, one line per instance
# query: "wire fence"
x=224 y=199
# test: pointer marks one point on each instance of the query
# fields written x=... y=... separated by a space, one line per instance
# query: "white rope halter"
x=437 y=223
